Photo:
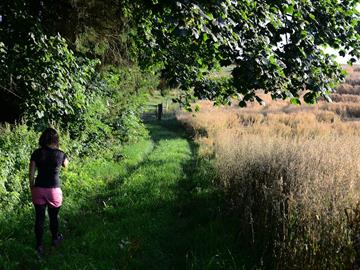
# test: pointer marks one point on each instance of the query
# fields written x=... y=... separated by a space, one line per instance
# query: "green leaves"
x=310 y=97
x=275 y=45
x=289 y=9
x=295 y=101
x=48 y=77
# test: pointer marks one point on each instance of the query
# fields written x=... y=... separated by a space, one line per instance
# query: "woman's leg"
x=54 y=221
x=39 y=223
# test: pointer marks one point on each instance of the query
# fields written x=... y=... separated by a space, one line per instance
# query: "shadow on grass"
x=166 y=213
x=166 y=129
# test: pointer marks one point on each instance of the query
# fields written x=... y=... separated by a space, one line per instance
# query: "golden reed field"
x=291 y=175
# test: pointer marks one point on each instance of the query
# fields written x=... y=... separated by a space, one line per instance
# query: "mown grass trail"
x=163 y=212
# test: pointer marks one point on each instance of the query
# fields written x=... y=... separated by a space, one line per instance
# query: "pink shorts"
x=50 y=196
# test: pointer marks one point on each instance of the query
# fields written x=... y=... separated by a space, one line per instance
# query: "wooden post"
x=159 y=111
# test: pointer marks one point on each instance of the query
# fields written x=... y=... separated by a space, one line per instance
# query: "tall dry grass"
x=352 y=82
x=292 y=175
x=348 y=88
x=345 y=98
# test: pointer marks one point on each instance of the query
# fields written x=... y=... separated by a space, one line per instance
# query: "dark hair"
x=48 y=137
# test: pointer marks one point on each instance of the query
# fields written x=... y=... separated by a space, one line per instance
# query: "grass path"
x=162 y=212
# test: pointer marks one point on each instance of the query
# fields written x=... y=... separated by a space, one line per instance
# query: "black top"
x=48 y=162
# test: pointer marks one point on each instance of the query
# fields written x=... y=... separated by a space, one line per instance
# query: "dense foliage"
x=277 y=46
x=72 y=80
x=42 y=79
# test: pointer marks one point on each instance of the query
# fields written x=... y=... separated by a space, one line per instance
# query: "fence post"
x=159 y=111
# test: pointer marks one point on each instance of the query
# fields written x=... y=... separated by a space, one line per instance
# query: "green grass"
x=157 y=207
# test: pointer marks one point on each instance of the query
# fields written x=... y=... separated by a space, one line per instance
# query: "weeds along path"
x=162 y=213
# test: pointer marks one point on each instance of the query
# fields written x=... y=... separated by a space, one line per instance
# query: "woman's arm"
x=65 y=163
x=32 y=169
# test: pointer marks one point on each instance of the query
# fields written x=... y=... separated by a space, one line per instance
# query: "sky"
x=340 y=59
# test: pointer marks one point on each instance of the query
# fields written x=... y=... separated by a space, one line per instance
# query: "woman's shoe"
x=56 y=242
x=40 y=250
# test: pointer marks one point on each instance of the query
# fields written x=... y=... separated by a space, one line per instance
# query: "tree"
x=275 y=45
x=49 y=51
x=40 y=77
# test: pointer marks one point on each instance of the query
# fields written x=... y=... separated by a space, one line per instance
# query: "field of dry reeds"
x=291 y=174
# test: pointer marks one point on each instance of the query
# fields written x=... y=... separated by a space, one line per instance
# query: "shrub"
x=16 y=145
x=57 y=87
x=49 y=81
x=126 y=91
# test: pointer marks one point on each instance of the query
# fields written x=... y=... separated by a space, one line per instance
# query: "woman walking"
x=45 y=188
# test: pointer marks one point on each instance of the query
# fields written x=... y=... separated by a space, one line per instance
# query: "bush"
x=126 y=92
x=16 y=145
x=50 y=83
x=56 y=88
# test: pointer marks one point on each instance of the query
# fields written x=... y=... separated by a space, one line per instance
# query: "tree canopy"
x=277 y=46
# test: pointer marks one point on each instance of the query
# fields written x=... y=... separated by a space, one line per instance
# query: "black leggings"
x=40 y=219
